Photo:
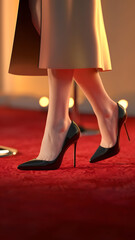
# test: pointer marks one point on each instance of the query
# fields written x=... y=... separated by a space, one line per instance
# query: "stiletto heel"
x=72 y=137
x=103 y=153
x=75 y=154
x=126 y=131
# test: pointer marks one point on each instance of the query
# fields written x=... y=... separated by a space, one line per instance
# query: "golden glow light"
x=71 y=102
x=123 y=102
x=44 y=101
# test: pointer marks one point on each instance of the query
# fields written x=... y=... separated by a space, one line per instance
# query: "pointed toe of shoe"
x=100 y=154
x=19 y=166
x=104 y=153
x=92 y=159
x=30 y=165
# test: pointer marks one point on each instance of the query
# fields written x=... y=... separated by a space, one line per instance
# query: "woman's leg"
x=105 y=108
x=60 y=81
x=58 y=121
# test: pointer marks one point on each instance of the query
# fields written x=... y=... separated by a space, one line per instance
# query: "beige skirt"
x=72 y=34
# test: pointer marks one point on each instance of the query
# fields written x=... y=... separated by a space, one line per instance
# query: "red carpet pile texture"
x=91 y=201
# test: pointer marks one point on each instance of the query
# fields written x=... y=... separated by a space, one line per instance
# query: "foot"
x=108 y=126
x=53 y=140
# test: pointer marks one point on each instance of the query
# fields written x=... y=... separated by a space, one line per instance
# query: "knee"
x=60 y=73
x=81 y=72
x=86 y=70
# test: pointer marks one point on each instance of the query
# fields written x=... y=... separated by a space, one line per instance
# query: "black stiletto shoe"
x=103 y=153
x=72 y=137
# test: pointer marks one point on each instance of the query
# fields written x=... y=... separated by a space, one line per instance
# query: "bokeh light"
x=71 y=102
x=44 y=101
x=123 y=102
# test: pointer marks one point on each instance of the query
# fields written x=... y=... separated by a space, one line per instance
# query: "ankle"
x=62 y=125
x=108 y=111
x=59 y=126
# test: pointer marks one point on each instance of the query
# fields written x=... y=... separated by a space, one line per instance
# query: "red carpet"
x=93 y=201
